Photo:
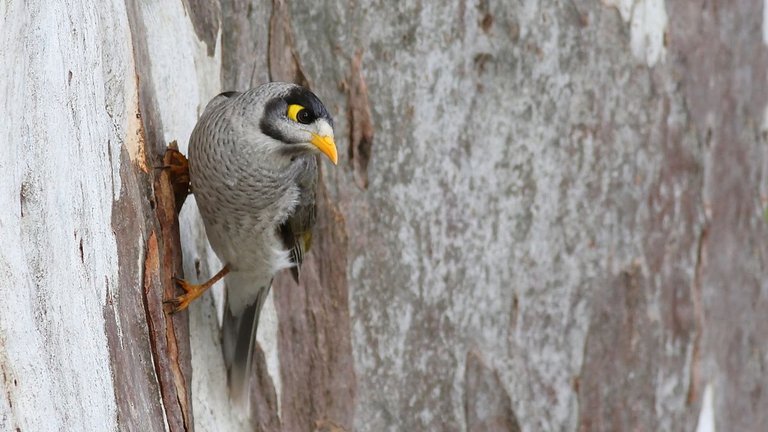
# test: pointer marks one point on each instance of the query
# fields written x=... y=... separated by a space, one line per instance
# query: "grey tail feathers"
x=238 y=341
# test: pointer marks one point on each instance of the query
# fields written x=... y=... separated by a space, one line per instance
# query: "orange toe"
x=191 y=292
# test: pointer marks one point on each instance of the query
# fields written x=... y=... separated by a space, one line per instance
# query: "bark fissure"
x=360 y=121
x=694 y=378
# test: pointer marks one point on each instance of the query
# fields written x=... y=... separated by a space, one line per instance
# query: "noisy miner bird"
x=253 y=170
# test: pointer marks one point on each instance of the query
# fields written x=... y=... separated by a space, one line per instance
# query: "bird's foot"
x=178 y=166
x=191 y=292
x=178 y=171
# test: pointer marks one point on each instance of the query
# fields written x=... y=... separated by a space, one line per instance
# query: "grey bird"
x=254 y=173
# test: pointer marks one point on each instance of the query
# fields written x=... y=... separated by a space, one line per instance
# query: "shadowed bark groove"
x=360 y=121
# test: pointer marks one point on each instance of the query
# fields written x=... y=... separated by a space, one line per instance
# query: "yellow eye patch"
x=293 y=111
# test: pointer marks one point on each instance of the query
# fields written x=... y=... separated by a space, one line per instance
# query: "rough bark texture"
x=547 y=216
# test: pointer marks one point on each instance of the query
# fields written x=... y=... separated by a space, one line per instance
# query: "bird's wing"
x=296 y=231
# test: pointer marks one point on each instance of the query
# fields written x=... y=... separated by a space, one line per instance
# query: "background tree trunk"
x=546 y=216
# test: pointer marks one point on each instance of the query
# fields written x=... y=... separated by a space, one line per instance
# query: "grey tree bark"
x=548 y=215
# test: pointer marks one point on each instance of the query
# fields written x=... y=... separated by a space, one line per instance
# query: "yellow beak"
x=327 y=146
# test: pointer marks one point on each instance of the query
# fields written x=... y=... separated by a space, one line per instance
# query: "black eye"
x=304 y=117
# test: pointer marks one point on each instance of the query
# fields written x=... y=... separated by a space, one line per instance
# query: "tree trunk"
x=546 y=216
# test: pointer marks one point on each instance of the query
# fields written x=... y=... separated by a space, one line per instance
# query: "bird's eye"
x=299 y=114
x=304 y=117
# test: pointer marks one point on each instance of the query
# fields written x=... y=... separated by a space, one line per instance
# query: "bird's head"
x=295 y=118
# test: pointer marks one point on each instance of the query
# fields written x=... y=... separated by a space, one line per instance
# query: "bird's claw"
x=176 y=304
x=177 y=166
x=181 y=283
x=191 y=292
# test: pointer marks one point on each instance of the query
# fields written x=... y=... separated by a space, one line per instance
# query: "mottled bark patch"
x=724 y=74
x=283 y=61
x=616 y=386
x=263 y=395
x=244 y=59
x=487 y=405
x=205 y=16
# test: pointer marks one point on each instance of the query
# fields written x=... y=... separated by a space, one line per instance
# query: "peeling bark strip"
x=126 y=325
x=168 y=337
x=177 y=354
x=360 y=121
x=283 y=59
x=168 y=334
x=159 y=354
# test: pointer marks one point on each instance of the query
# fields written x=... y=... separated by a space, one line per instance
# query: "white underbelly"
x=249 y=251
